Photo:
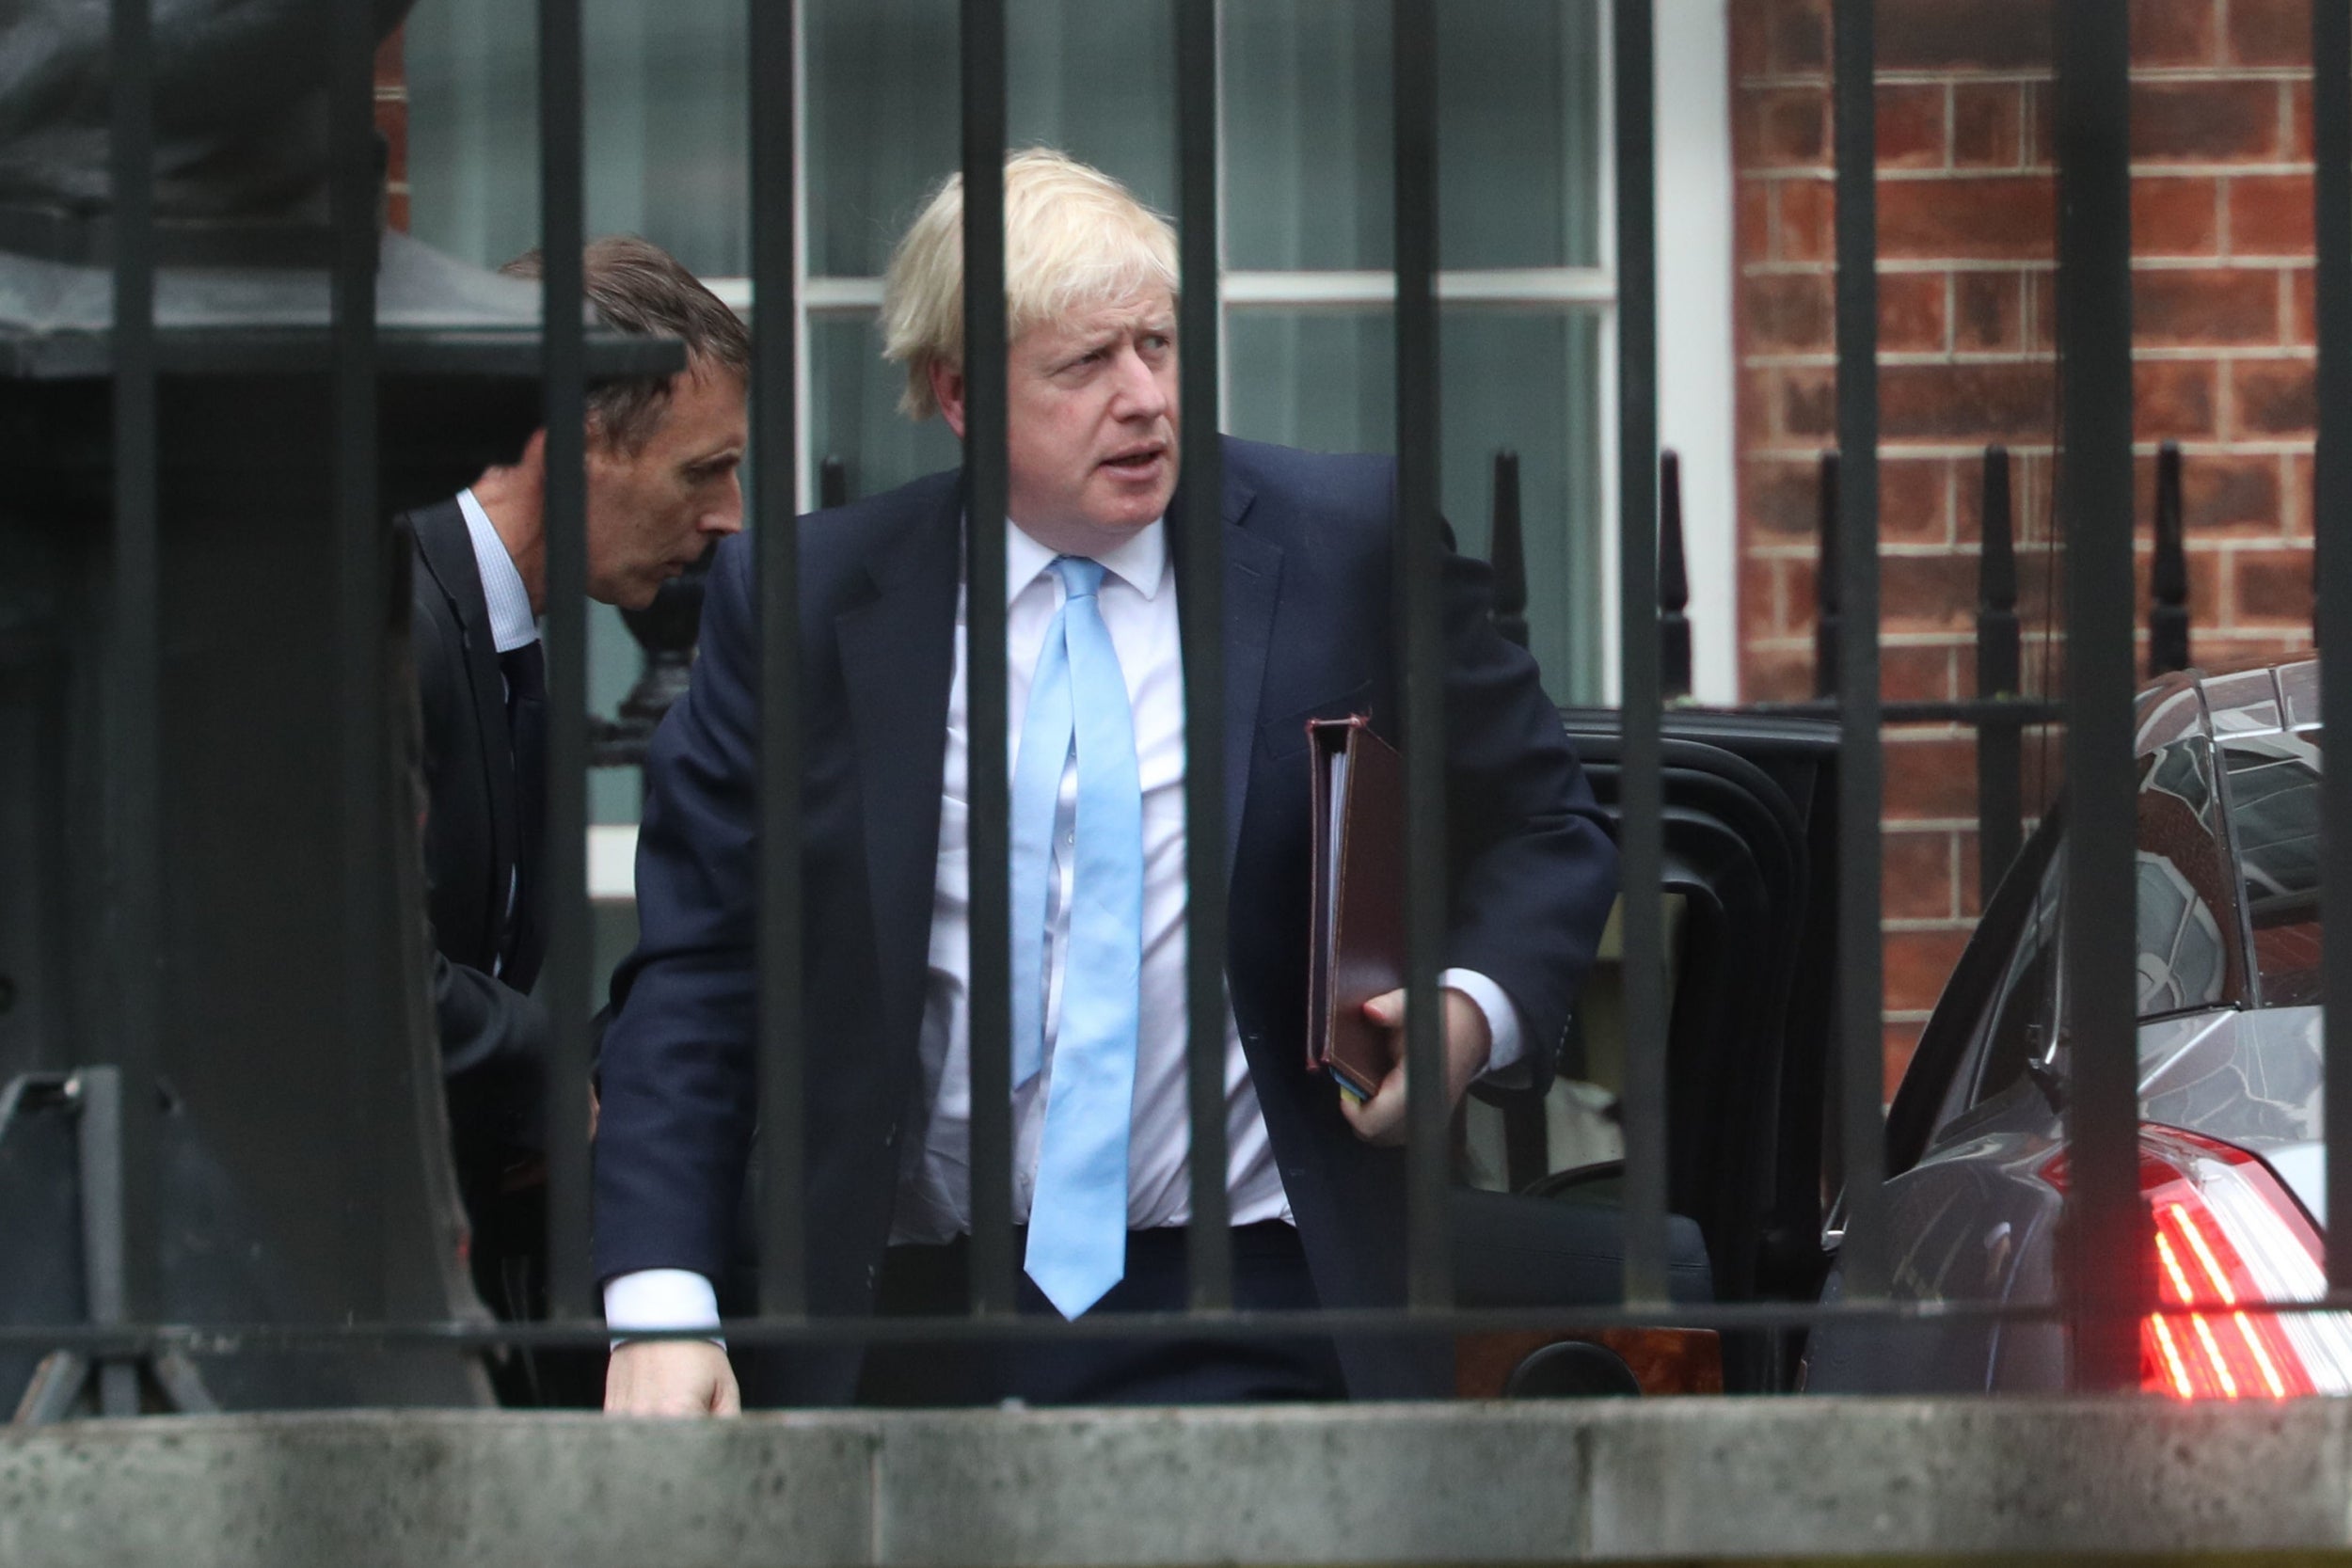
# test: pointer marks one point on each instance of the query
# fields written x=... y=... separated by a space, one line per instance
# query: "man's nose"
x=727 y=516
x=1140 y=395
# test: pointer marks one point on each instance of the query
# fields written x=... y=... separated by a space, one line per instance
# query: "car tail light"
x=2229 y=1236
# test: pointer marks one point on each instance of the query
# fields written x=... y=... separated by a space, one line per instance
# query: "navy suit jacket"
x=1308 y=604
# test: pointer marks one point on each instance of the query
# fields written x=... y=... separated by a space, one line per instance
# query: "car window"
x=2187 y=901
x=2274 y=809
x=2019 y=1015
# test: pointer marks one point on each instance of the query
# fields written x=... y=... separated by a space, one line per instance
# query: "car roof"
x=2270 y=701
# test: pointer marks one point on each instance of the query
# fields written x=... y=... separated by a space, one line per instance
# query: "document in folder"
x=1358 y=944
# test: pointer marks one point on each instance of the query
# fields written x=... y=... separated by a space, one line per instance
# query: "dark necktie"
x=526 y=672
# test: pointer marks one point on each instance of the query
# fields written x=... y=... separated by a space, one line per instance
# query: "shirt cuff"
x=1505 y=1068
x=654 y=1299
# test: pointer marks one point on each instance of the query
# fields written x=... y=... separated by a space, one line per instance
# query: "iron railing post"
x=1641 y=790
x=1674 y=578
x=2167 y=578
x=1506 y=549
x=1828 y=623
x=2000 y=750
x=2103 y=1241
x=1860 y=1030
x=985 y=481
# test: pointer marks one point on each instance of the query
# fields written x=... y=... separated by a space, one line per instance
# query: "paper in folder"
x=1358 y=946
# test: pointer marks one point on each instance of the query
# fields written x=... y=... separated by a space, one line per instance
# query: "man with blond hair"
x=1096 y=680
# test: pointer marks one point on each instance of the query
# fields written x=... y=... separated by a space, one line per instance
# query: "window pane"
x=853 y=411
x=667 y=128
x=1515 y=379
x=1095 y=78
x=1308 y=162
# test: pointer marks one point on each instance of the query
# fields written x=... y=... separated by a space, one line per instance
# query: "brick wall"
x=392 y=122
x=2223 y=361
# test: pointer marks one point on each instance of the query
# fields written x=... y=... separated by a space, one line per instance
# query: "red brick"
x=2232 y=493
x=1775 y=675
x=1756 y=403
x=2276 y=397
x=1780 y=499
x=2270 y=32
x=1759 y=595
x=1919 y=963
x=2173 y=399
x=2271 y=587
x=1787 y=314
x=1973 y=402
x=2303 y=307
x=1750 y=45
x=1908 y=126
x=1920 y=593
x=1970 y=858
x=1808 y=211
x=391 y=68
x=1974 y=217
x=2213 y=306
x=2174 y=32
x=1912 y=500
x=2270 y=214
x=2295 y=499
x=2300 y=121
x=2204 y=121
x=1938 y=35
x=1799 y=36
x=1798 y=592
x=1915 y=674
x=1895 y=1053
x=1988 y=311
x=1917 y=876
x=2176 y=216
x=1786 y=127
x=1808 y=403
x=1987 y=125
x=2041 y=138
x=1912 y=316
x=2042 y=310
x=1754 y=217
x=1933 y=778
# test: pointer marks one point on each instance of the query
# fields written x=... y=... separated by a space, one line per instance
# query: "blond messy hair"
x=1074 y=237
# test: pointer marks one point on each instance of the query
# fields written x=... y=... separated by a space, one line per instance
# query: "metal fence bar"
x=2103 y=1241
x=1641 y=844
x=1506 y=550
x=1861 y=1001
x=2168 y=606
x=2331 y=505
x=783 y=1223
x=1828 y=622
x=563 y=854
x=1674 y=582
x=2000 y=740
x=985 y=480
x=360 y=612
x=134 y=751
x=1200 y=606
x=1418 y=549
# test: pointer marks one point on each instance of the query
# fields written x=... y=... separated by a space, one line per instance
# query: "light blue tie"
x=1078 y=1213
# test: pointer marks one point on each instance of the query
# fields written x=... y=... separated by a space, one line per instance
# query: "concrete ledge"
x=1621 y=1480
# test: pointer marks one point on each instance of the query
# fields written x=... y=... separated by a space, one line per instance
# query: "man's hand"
x=671 y=1377
x=1468 y=1042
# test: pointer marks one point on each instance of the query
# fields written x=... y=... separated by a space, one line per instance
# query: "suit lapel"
x=897 y=658
x=447 y=549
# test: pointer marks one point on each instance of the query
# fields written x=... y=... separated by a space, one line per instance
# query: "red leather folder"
x=1357 y=939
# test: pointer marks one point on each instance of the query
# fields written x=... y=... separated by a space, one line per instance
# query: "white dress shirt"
x=1137 y=601
x=512 y=625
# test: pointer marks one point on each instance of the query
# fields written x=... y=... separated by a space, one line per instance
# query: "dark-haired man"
x=663 y=458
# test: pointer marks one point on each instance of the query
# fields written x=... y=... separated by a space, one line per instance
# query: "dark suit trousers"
x=1269 y=1274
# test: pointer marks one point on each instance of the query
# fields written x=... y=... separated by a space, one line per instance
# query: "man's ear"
x=947 y=391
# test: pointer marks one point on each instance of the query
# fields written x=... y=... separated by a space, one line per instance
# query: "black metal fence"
x=2103 y=1292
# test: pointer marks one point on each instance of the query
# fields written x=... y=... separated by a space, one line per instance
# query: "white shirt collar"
x=1140 y=563
x=512 y=625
